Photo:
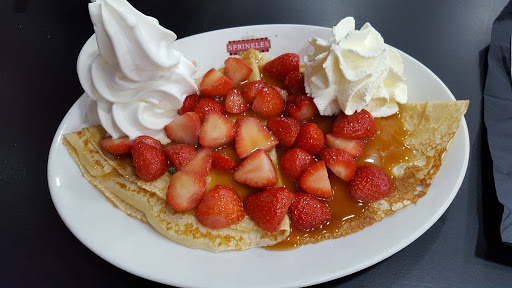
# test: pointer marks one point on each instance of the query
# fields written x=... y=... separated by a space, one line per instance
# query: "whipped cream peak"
x=354 y=70
x=129 y=69
x=122 y=30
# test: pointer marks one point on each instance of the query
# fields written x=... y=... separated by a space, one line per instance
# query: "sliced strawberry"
x=369 y=184
x=308 y=212
x=237 y=70
x=149 y=161
x=301 y=107
x=201 y=163
x=217 y=130
x=184 y=129
x=180 y=154
x=282 y=65
x=340 y=162
x=222 y=162
x=214 y=84
x=315 y=180
x=268 y=103
x=310 y=138
x=119 y=146
x=285 y=129
x=185 y=190
x=188 y=104
x=148 y=140
x=251 y=89
x=252 y=135
x=256 y=171
x=235 y=103
x=219 y=208
x=294 y=162
x=351 y=146
x=205 y=105
x=294 y=83
x=268 y=208
x=359 y=125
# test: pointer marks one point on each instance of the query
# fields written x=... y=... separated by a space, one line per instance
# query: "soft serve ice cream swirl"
x=354 y=70
x=136 y=81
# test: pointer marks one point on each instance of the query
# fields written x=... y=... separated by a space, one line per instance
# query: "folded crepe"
x=430 y=125
x=117 y=180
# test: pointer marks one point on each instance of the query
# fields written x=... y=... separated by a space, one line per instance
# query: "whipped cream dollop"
x=354 y=70
x=135 y=80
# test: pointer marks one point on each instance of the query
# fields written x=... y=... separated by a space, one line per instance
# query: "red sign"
x=261 y=44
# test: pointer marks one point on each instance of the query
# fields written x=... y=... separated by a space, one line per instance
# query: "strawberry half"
x=119 y=146
x=185 y=190
x=201 y=163
x=251 y=89
x=315 y=180
x=340 y=162
x=205 y=105
x=235 y=103
x=310 y=138
x=149 y=161
x=369 y=184
x=217 y=130
x=285 y=129
x=294 y=162
x=251 y=135
x=179 y=154
x=184 y=129
x=256 y=171
x=353 y=147
x=215 y=84
x=282 y=65
x=268 y=208
x=301 y=107
x=308 y=213
x=359 y=125
x=268 y=103
x=237 y=70
x=219 y=208
x=294 y=83
x=188 y=104
x=222 y=162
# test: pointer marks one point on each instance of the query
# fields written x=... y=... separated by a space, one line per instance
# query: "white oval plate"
x=137 y=248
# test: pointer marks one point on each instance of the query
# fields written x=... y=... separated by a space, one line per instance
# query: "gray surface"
x=42 y=39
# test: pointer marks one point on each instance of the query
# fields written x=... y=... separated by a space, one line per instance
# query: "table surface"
x=41 y=42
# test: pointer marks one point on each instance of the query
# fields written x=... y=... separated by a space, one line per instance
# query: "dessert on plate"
x=262 y=152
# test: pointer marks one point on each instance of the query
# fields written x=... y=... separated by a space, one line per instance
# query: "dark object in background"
x=498 y=115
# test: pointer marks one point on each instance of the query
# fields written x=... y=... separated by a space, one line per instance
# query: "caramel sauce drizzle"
x=385 y=150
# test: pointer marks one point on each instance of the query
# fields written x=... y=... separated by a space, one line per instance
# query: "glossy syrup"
x=385 y=150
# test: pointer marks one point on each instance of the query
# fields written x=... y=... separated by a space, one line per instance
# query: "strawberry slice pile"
x=252 y=119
